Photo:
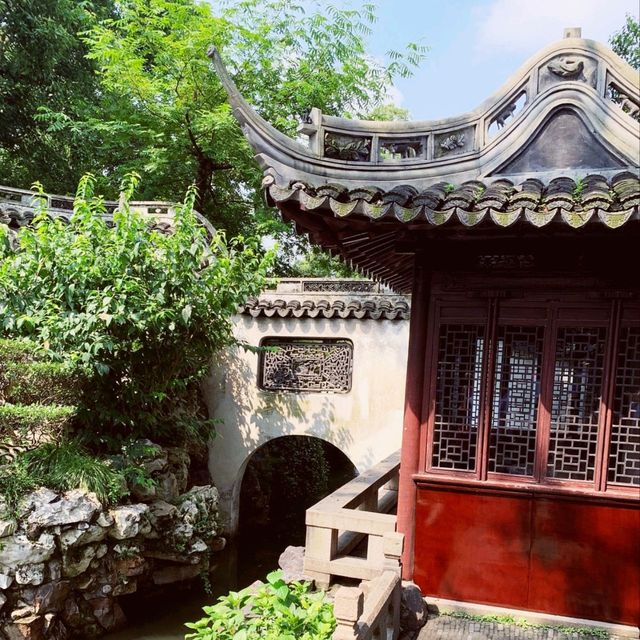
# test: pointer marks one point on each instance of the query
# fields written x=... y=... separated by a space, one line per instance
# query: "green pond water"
x=163 y=618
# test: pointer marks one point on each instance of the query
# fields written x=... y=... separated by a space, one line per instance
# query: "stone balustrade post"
x=348 y=608
x=392 y=545
x=320 y=548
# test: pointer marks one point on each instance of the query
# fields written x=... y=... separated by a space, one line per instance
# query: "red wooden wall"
x=567 y=555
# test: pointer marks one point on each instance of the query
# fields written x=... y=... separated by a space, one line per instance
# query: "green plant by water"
x=275 y=611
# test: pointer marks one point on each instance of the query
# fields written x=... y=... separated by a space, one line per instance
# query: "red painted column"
x=410 y=454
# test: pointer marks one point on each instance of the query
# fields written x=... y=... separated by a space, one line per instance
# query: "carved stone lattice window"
x=346 y=147
x=401 y=148
x=339 y=286
x=306 y=365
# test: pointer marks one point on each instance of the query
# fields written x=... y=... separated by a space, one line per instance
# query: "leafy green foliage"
x=316 y=263
x=163 y=111
x=26 y=418
x=386 y=112
x=139 y=311
x=626 y=42
x=61 y=466
x=276 y=611
x=43 y=63
x=111 y=87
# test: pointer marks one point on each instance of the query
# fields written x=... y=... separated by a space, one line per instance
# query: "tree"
x=163 y=112
x=43 y=63
x=626 y=42
x=385 y=112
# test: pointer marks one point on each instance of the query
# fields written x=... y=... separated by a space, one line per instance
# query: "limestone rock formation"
x=66 y=559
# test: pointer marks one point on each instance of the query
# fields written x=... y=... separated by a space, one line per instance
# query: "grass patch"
x=15 y=482
x=69 y=466
x=60 y=467
x=587 y=632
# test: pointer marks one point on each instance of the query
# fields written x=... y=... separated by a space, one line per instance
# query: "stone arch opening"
x=281 y=480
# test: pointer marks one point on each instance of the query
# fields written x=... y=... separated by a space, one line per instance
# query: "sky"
x=476 y=45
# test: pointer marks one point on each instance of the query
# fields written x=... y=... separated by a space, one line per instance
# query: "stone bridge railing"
x=356 y=515
x=352 y=534
x=370 y=611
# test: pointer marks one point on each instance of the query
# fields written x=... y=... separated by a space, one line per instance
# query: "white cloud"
x=524 y=26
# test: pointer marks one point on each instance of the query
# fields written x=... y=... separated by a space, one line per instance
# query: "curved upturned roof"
x=592 y=91
x=557 y=147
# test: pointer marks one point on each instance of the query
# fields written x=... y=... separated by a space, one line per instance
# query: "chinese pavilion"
x=516 y=228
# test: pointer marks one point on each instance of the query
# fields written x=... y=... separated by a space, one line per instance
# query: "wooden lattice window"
x=460 y=358
x=306 y=365
x=624 y=451
x=514 y=406
x=535 y=392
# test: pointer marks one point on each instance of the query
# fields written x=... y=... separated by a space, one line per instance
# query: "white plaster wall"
x=365 y=423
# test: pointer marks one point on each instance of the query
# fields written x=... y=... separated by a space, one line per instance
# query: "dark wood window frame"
x=553 y=315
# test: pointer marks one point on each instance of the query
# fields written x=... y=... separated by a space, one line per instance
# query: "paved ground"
x=450 y=628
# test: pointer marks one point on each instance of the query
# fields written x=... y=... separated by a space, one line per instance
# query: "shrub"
x=40 y=382
x=140 y=311
x=17 y=350
x=28 y=419
x=276 y=611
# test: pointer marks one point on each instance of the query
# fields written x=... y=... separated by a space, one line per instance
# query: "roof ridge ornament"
x=572 y=32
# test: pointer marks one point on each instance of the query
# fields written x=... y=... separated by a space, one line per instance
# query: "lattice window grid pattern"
x=577 y=388
x=306 y=365
x=514 y=410
x=459 y=378
x=624 y=452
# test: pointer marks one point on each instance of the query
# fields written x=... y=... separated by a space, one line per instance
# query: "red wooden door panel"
x=585 y=560
x=472 y=547
x=570 y=556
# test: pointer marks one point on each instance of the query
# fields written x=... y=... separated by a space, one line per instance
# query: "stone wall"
x=364 y=423
x=66 y=559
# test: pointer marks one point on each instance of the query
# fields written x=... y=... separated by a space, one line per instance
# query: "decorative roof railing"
x=326 y=285
x=582 y=77
x=440 y=140
x=331 y=298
